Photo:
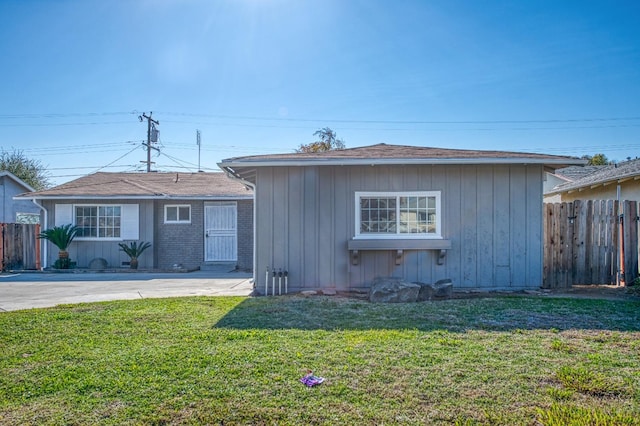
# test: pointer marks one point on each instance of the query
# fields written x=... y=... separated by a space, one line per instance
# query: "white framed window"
x=98 y=221
x=177 y=213
x=398 y=214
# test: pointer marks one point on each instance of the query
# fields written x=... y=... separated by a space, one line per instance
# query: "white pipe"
x=280 y=282
x=43 y=263
x=273 y=283
x=286 y=282
x=266 y=283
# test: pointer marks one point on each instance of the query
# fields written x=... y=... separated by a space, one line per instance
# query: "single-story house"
x=190 y=219
x=554 y=178
x=16 y=211
x=601 y=184
x=339 y=219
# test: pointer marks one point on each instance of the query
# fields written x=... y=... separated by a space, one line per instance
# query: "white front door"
x=221 y=231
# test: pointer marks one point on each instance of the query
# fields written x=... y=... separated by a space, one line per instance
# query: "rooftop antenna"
x=198 y=142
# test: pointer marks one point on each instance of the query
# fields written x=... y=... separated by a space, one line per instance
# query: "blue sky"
x=260 y=76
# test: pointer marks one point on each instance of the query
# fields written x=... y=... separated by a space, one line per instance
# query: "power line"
x=309 y=120
x=122 y=156
x=90 y=167
x=64 y=115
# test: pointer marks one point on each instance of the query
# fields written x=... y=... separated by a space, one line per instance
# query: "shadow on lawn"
x=497 y=313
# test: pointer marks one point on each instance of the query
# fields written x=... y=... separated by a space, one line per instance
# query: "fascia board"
x=167 y=197
x=396 y=161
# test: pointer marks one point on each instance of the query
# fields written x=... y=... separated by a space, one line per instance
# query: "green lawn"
x=507 y=360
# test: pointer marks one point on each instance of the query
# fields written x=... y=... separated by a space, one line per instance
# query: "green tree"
x=597 y=160
x=327 y=141
x=29 y=170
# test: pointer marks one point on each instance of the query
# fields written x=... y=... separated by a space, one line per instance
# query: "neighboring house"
x=16 y=211
x=602 y=184
x=190 y=219
x=339 y=219
x=565 y=175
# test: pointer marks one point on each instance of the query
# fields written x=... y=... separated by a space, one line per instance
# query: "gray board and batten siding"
x=491 y=215
x=84 y=251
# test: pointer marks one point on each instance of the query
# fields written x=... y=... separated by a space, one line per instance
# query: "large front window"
x=98 y=221
x=398 y=214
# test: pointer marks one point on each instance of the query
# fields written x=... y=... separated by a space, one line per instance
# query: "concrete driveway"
x=39 y=290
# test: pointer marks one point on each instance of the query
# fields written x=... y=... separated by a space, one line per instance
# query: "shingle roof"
x=611 y=173
x=385 y=151
x=382 y=154
x=147 y=185
x=573 y=173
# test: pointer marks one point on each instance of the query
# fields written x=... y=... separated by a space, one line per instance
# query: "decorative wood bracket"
x=354 y=257
x=399 y=257
x=399 y=246
x=441 y=257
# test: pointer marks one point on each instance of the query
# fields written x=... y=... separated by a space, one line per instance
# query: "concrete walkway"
x=39 y=290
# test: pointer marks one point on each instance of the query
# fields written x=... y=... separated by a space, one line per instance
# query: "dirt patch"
x=609 y=292
x=606 y=292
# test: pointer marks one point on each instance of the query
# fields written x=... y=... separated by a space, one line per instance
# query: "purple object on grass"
x=311 y=380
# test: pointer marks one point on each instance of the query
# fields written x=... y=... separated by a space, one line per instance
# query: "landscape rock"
x=441 y=289
x=308 y=293
x=329 y=291
x=393 y=290
x=98 y=264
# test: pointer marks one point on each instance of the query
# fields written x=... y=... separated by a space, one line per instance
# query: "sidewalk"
x=38 y=290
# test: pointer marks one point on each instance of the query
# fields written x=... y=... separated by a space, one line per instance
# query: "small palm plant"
x=61 y=237
x=134 y=250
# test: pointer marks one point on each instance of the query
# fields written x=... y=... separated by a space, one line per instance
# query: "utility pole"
x=152 y=136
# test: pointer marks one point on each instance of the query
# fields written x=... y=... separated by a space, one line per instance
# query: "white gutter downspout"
x=44 y=246
x=255 y=245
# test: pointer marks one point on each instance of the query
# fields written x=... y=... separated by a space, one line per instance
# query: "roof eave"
x=132 y=197
x=231 y=164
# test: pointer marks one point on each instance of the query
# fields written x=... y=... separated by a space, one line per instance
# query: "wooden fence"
x=590 y=242
x=20 y=248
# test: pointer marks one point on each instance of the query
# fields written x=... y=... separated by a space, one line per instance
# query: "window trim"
x=398 y=235
x=177 y=221
x=97 y=238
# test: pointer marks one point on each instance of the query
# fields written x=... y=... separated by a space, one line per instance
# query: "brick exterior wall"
x=179 y=243
x=245 y=234
x=184 y=243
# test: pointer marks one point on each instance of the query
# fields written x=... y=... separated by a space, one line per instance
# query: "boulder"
x=98 y=264
x=441 y=289
x=393 y=290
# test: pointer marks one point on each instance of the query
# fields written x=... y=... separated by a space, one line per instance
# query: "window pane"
x=378 y=215
x=86 y=221
x=414 y=213
x=172 y=214
x=184 y=214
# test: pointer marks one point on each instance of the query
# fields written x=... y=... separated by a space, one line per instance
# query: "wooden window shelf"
x=397 y=245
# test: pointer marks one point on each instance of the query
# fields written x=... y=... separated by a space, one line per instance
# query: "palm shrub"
x=61 y=237
x=134 y=250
